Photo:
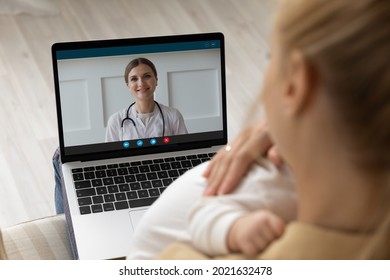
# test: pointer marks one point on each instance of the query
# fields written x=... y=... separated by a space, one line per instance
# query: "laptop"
x=109 y=184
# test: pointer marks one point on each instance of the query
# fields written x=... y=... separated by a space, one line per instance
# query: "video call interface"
x=92 y=89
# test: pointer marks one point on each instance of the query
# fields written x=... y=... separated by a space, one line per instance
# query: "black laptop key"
x=119 y=180
x=124 y=187
x=100 y=173
x=175 y=165
x=97 y=208
x=120 y=196
x=165 y=166
x=180 y=158
x=108 y=181
x=152 y=176
x=85 y=210
x=125 y=164
x=192 y=157
x=157 y=183
x=109 y=198
x=113 y=189
x=162 y=189
x=141 y=177
x=144 y=169
x=167 y=182
x=89 y=175
x=171 y=159
x=82 y=184
x=136 y=163
x=121 y=205
x=142 y=202
x=135 y=186
x=86 y=192
x=195 y=162
x=182 y=171
x=154 y=167
x=203 y=156
x=133 y=170
x=111 y=172
x=84 y=201
x=77 y=170
x=101 y=190
x=132 y=195
x=101 y=167
x=154 y=192
x=108 y=207
x=122 y=171
x=130 y=178
x=90 y=168
x=112 y=166
x=173 y=173
x=97 y=199
x=162 y=174
x=97 y=182
x=78 y=176
x=146 y=185
x=186 y=164
x=143 y=193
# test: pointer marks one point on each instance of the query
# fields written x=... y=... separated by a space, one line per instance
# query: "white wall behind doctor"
x=93 y=89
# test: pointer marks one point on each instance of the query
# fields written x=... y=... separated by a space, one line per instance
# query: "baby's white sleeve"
x=264 y=187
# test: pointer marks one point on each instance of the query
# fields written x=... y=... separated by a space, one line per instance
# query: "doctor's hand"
x=232 y=162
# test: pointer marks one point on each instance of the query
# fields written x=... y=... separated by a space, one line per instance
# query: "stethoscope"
x=130 y=119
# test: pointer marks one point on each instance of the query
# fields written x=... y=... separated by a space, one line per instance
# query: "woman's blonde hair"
x=348 y=44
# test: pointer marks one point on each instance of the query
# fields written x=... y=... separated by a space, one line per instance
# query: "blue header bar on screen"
x=137 y=49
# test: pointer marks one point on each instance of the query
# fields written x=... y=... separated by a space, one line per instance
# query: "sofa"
x=42 y=239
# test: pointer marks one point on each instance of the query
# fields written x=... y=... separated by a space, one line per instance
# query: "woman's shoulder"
x=307 y=241
x=119 y=115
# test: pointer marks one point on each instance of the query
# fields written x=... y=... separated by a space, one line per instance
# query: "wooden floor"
x=28 y=28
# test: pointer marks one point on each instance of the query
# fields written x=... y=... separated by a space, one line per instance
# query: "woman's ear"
x=301 y=84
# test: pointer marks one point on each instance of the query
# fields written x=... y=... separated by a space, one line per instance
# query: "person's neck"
x=144 y=107
x=333 y=193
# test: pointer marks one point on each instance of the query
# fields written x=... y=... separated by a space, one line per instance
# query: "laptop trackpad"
x=135 y=217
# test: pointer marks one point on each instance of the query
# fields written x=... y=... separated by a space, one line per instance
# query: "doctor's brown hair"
x=135 y=62
x=347 y=42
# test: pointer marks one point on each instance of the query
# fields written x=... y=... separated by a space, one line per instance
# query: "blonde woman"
x=327 y=101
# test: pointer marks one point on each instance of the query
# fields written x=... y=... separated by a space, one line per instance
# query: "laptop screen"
x=138 y=96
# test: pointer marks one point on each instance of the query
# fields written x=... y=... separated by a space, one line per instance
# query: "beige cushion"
x=43 y=239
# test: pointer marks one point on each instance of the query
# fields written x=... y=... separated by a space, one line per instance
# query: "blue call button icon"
x=126 y=145
x=140 y=143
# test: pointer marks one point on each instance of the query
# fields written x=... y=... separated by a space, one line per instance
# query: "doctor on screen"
x=145 y=118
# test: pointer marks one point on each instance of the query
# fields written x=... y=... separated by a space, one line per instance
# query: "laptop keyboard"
x=126 y=185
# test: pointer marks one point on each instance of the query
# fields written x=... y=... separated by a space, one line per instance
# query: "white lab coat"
x=174 y=124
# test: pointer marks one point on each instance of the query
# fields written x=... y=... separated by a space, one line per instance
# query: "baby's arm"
x=265 y=187
x=251 y=233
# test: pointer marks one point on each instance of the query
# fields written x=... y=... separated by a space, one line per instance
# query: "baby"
x=250 y=218
x=243 y=221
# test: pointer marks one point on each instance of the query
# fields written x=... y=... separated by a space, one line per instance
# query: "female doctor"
x=145 y=118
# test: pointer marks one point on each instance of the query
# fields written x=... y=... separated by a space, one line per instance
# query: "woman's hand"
x=231 y=163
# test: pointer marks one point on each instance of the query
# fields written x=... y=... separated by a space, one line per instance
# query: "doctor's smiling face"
x=142 y=83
